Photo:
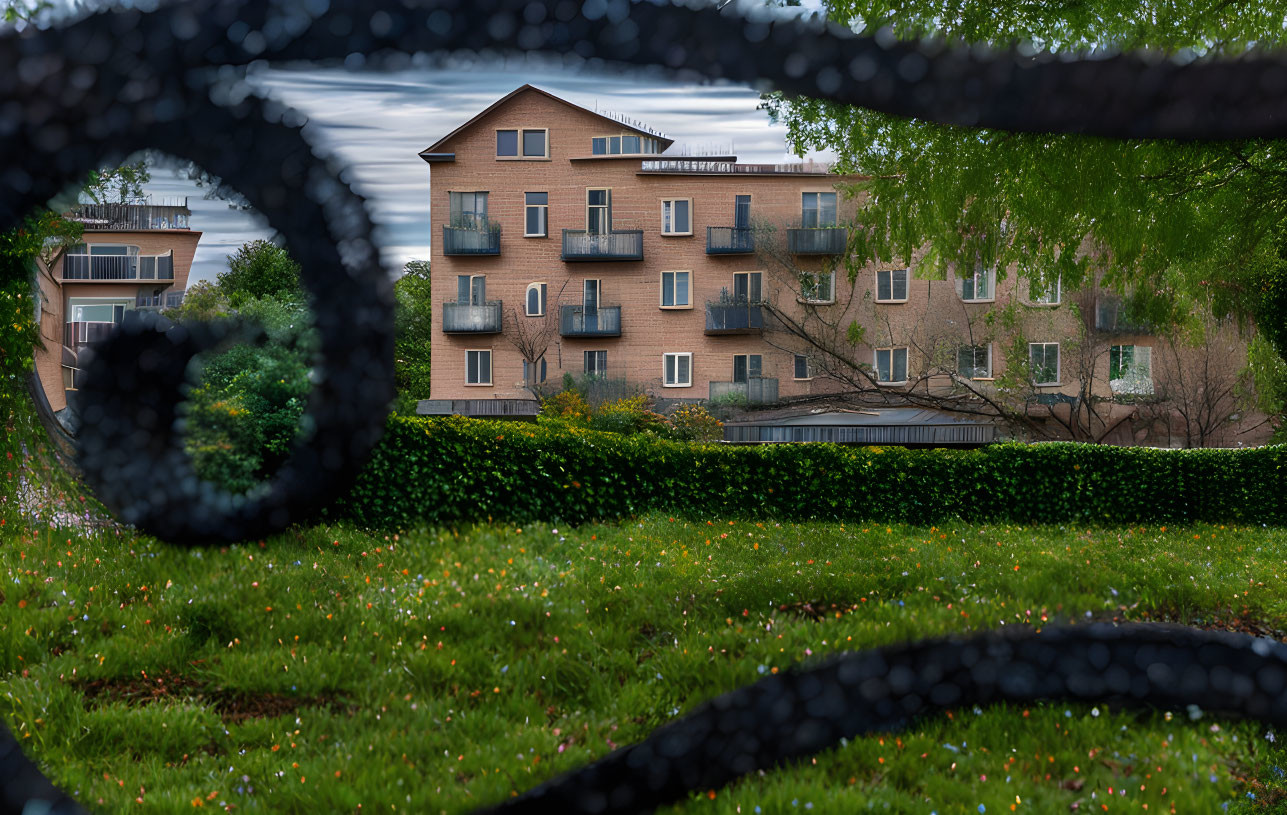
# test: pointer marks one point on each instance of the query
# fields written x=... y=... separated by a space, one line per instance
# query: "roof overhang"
x=435 y=158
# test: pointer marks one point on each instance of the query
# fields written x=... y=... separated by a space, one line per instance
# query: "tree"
x=118 y=185
x=532 y=337
x=24 y=11
x=413 y=334
x=260 y=269
x=1185 y=224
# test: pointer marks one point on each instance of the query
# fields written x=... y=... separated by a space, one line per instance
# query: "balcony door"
x=468 y=209
x=598 y=211
x=471 y=290
x=590 y=304
x=742 y=212
x=748 y=287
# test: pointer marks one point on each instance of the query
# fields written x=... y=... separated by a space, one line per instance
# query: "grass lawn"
x=325 y=669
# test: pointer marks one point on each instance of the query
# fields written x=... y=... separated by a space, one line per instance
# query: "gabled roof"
x=435 y=152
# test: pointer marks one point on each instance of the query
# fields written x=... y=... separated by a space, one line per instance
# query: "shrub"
x=695 y=423
x=460 y=470
x=628 y=415
x=567 y=404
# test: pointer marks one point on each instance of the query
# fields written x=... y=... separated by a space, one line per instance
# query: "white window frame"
x=545 y=215
x=671 y=233
x=1136 y=356
x=979 y=271
x=831 y=295
x=808 y=368
x=677 y=355
x=649 y=145
x=1058 y=292
x=906 y=285
x=875 y=364
x=975 y=378
x=542 y=289
x=747 y=357
x=1059 y=361
x=661 y=295
x=490 y=368
x=818 y=209
x=520 y=157
x=597 y=372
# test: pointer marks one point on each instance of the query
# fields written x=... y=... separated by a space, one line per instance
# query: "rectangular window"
x=535 y=306
x=523 y=143
x=746 y=366
x=977 y=286
x=596 y=363
x=678 y=370
x=741 y=212
x=537 y=213
x=802 y=370
x=1130 y=369
x=478 y=367
x=818 y=209
x=598 y=211
x=891 y=286
x=748 y=287
x=627 y=145
x=676 y=216
x=1043 y=358
x=1042 y=293
x=817 y=287
x=535 y=143
x=599 y=145
x=974 y=361
x=891 y=365
x=468 y=209
x=471 y=290
x=675 y=290
x=506 y=143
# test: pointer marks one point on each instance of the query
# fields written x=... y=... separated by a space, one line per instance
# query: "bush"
x=695 y=423
x=461 y=470
x=567 y=404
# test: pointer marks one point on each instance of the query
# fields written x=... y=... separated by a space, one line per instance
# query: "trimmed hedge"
x=442 y=471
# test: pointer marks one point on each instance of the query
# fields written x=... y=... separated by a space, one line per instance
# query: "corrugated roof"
x=904 y=425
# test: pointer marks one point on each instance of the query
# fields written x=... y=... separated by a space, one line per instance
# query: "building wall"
x=49 y=366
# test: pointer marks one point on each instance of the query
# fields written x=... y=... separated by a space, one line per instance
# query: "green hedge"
x=461 y=470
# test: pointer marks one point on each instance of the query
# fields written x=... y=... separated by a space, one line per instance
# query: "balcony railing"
x=118 y=267
x=817 y=240
x=578 y=321
x=132 y=217
x=76 y=334
x=579 y=244
x=756 y=390
x=729 y=240
x=464 y=318
x=734 y=318
x=149 y=300
x=482 y=239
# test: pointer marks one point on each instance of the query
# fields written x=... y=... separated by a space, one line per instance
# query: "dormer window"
x=523 y=143
x=627 y=144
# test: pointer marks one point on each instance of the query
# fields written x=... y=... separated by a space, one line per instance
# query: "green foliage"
x=458 y=470
x=695 y=423
x=413 y=329
x=118 y=185
x=24 y=10
x=202 y=301
x=260 y=269
x=566 y=404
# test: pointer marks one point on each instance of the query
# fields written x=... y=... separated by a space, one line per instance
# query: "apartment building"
x=131 y=256
x=567 y=241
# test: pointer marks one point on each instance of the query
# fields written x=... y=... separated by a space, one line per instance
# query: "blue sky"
x=377 y=122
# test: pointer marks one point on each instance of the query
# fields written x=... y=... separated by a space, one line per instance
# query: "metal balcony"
x=577 y=321
x=118 y=267
x=729 y=240
x=756 y=390
x=482 y=239
x=171 y=214
x=578 y=245
x=734 y=318
x=464 y=318
x=819 y=240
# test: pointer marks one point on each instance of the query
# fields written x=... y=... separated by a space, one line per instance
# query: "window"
x=891 y=286
x=536 y=300
x=478 y=367
x=536 y=222
x=676 y=216
x=675 y=290
x=974 y=361
x=748 y=287
x=817 y=287
x=598 y=211
x=471 y=290
x=741 y=212
x=977 y=286
x=678 y=370
x=534 y=372
x=1043 y=358
x=596 y=363
x=1042 y=293
x=623 y=145
x=818 y=209
x=891 y=366
x=1130 y=369
x=468 y=209
x=802 y=368
x=523 y=143
x=747 y=366
x=96 y=310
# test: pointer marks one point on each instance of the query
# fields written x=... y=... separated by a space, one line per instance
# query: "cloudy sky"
x=378 y=121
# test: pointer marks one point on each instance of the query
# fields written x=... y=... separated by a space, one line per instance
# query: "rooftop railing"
x=132 y=217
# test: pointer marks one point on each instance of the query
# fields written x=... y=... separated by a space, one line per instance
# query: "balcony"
x=106 y=268
x=756 y=390
x=480 y=239
x=172 y=214
x=730 y=240
x=817 y=240
x=78 y=334
x=578 y=321
x=734 y=318
x=165 y=300
x=464 y=318
x=579 y=245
